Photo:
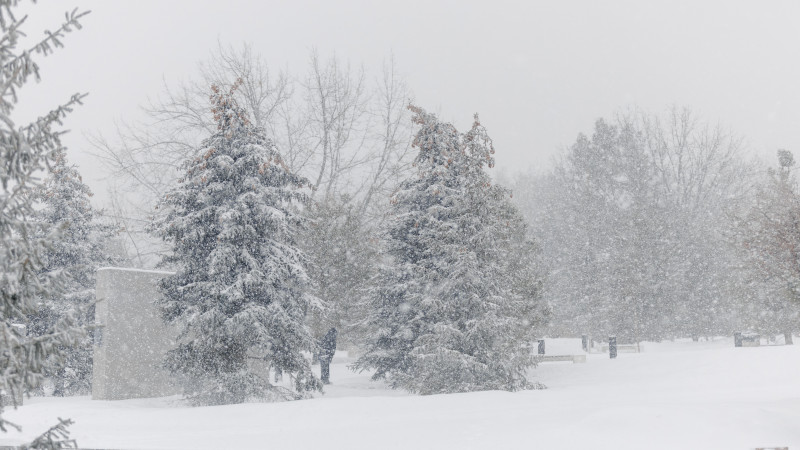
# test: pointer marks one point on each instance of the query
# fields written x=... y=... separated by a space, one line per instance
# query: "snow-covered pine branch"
x=24 y=151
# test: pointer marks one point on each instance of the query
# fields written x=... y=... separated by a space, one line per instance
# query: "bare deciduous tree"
x=392 y=152
x=345 y=135
x=337 y=120
x=145 y=157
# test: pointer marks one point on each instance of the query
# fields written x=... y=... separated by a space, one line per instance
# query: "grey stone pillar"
x=131 y=340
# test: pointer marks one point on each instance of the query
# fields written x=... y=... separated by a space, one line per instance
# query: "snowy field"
x=682 y=395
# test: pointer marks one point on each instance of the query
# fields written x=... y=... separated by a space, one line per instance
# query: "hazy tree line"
x=288 y=204
x=658 y=226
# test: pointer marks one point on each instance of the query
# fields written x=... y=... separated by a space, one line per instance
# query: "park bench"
x=623 y=348
x=554 y=358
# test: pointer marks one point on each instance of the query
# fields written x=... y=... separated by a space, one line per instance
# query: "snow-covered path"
x=681 y=395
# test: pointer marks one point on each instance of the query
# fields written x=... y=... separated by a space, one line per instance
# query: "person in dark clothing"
x=327 y=347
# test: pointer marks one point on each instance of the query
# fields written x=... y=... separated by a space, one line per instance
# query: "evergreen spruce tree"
x=239 y=294
x=768 y=234
x=26 y=150
x=78 y=252
x=457 y=307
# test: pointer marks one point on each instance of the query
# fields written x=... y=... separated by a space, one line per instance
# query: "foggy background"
x=537 y=72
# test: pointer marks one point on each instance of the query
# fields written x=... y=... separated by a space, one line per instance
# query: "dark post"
x=737 y=339
x=787 y=338
x=541 y=346
x=612 y=347
x=585 y=342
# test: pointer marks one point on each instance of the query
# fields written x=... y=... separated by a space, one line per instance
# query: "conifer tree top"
x=440 y=143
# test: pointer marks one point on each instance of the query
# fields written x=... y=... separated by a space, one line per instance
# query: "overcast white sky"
x=538 y=72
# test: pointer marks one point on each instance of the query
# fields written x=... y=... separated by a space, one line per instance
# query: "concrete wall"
x=131 y=339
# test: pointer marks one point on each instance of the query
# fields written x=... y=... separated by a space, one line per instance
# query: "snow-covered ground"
x=682 y=395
